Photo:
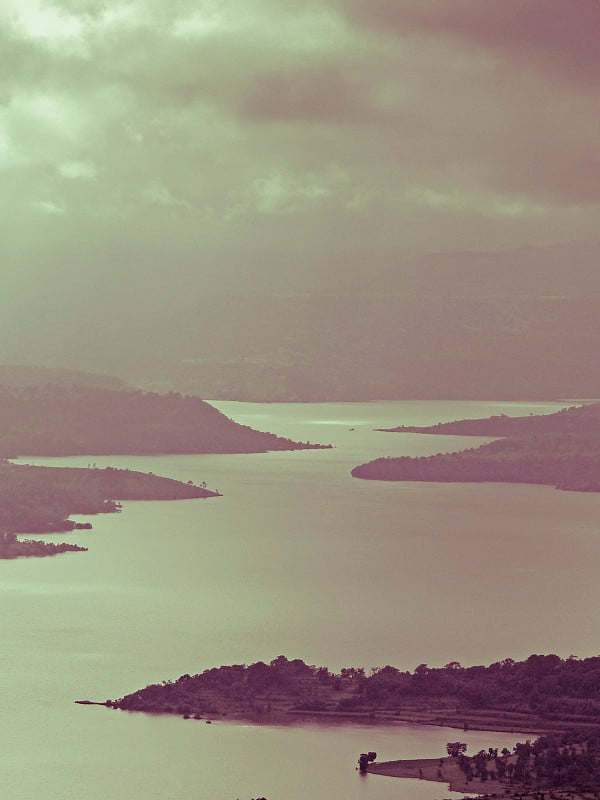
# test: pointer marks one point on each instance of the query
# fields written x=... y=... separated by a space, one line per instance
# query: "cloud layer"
x=255 y=143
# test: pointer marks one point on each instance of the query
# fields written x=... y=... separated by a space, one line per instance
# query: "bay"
x=297 y=558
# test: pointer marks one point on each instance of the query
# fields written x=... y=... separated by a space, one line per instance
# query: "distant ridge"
x=520 y=324
x=26 y=375
x=565 y=269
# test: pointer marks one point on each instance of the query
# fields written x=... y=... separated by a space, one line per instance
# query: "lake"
x=297 y=558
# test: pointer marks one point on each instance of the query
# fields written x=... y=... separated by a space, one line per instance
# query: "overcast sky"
x=166 y=147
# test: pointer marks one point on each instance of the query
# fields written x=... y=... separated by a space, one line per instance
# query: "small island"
x=543 y=693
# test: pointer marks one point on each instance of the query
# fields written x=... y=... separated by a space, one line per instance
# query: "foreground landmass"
x=57 y=420
x=40 y=499
x=540 y=694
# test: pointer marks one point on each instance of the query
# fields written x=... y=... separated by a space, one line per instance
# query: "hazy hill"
x=383 y=347
x=566 y=269
x=23 y=375
x=515 y=324
x=522 y=323
x=55 y=421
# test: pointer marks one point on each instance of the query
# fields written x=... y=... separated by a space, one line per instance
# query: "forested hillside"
x=542 y=691
x=57 y=421
x=567 y=461
x=23 y=375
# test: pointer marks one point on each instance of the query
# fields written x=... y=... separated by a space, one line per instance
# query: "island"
x=543 y=693
x=56 y=420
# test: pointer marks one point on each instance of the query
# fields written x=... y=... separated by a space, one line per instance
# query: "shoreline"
x=285 y=717
x=429 y=769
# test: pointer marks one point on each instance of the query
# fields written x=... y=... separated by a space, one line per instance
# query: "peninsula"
x=40 y=499
x=583 y=419
x=542 y=693
x=569 y=462
x=561 y=450
x=555 y=766
x=54 y=420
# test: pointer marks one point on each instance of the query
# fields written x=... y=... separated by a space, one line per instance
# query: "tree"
x=455 y=749
x=365 y=759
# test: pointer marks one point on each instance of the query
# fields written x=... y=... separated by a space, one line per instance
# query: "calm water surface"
x=296 y=558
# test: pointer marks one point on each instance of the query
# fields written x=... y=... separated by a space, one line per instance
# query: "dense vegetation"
x=584 y=420
x=12 y=547
x=569 y=760
x=567 y=461
x=543 y=691
x=57 y=421
x=39 y=499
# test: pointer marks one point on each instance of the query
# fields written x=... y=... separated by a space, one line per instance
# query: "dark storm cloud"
x=229 y=134
x=559 y=35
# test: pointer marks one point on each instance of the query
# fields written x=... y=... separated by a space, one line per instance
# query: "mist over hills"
x=25 y=375
x=566 y=269
x=512 y=324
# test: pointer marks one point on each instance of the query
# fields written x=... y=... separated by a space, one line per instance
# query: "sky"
x=150 y=150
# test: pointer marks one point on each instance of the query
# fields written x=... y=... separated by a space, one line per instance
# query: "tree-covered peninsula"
x=584 y=420
x=561 y=450
x=56 y=420
x=543 y=692
x=566 y=461
x=40 y=499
